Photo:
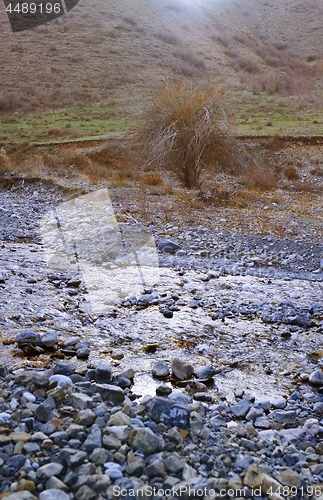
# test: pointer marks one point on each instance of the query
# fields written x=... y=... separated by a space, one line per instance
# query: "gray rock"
x=49 y=339
x=111 y=442
x=128 y=373
x=54 y=483
x=94 y=439
x=114 y=395
x=31 y=448
x=160 y=370
x=85 y=493
x=122 y=382
x=243 y=462
x=173 y=464
x=99 y=482
x=217 y=421
x=136 y=467
x=44 y=410
x=143 y=439
x=288 y=477
x=3 y=371
x=72 y=457
x=155 y=468
x=21 y=495
x=119 y=418
x=202 y=396
x=61 y=380
x=53 y=494
x=99 y=456
x=262 y=423
x=181 y=370
x=279 y=403
x=296 y=435
x=27 y=338
x=240 y=409
x=205 y=372
x=66 y=369
x=283 y=417
x=254 y=412
x=49 y=470
x=168 y=247
x=163 y=390
x=85 y=417
x=103 y=373
x=316 y=378
x=13 y=465
x=80 y=401
x=113 y=470
x=264 y=403
x=170 y=413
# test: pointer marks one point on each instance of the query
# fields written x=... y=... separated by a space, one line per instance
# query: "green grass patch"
x=63 y=125
x=264 y=114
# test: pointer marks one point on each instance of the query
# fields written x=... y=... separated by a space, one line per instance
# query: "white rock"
x=29 y=397
x=61 y=380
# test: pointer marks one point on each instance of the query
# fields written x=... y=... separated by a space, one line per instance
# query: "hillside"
x=114 y=54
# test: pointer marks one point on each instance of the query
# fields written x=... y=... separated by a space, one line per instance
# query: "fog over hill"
x=120 y=51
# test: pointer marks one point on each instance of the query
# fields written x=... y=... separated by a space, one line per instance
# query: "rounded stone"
x=27 y=338
x=160 y=370
x=49 y=339
x=113 y=470
x=316 y=378
x=62 y=380
x=168 y=247
x=205 y=372
x=103 y=373
x=66 y=369
x=53 y=494
x=181 y=370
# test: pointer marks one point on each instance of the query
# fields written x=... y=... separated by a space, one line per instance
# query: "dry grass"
x=152 y=179
x=260 y=177
x=168 y=37
x=54 y=131
x=291 y=173
x=10 y=100
x=188 y=129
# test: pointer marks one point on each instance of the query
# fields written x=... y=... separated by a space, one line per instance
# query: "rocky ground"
x=206 y=384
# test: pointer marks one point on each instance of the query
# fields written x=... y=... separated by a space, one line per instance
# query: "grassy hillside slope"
x=112 y=55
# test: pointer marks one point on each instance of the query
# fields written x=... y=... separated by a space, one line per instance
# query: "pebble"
x=168 y=247
x=160 y=370
x=113 y=470
x=316 y=378
x=170 y=440
x=181 y=370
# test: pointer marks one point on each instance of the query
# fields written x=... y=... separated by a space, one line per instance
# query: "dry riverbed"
x=248 y=305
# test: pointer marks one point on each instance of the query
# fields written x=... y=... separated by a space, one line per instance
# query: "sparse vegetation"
x=188 y=128
x=291 y=173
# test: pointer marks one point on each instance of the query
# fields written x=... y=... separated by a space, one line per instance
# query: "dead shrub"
x=167 y=37
x=54 y=131
x=291 y=173
x=152 y=179
x=248 y=65
x=10 y=101
x=187 y=129
x=192 y=59
x=317 y=171
x=222 y=39
x=260 y=177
